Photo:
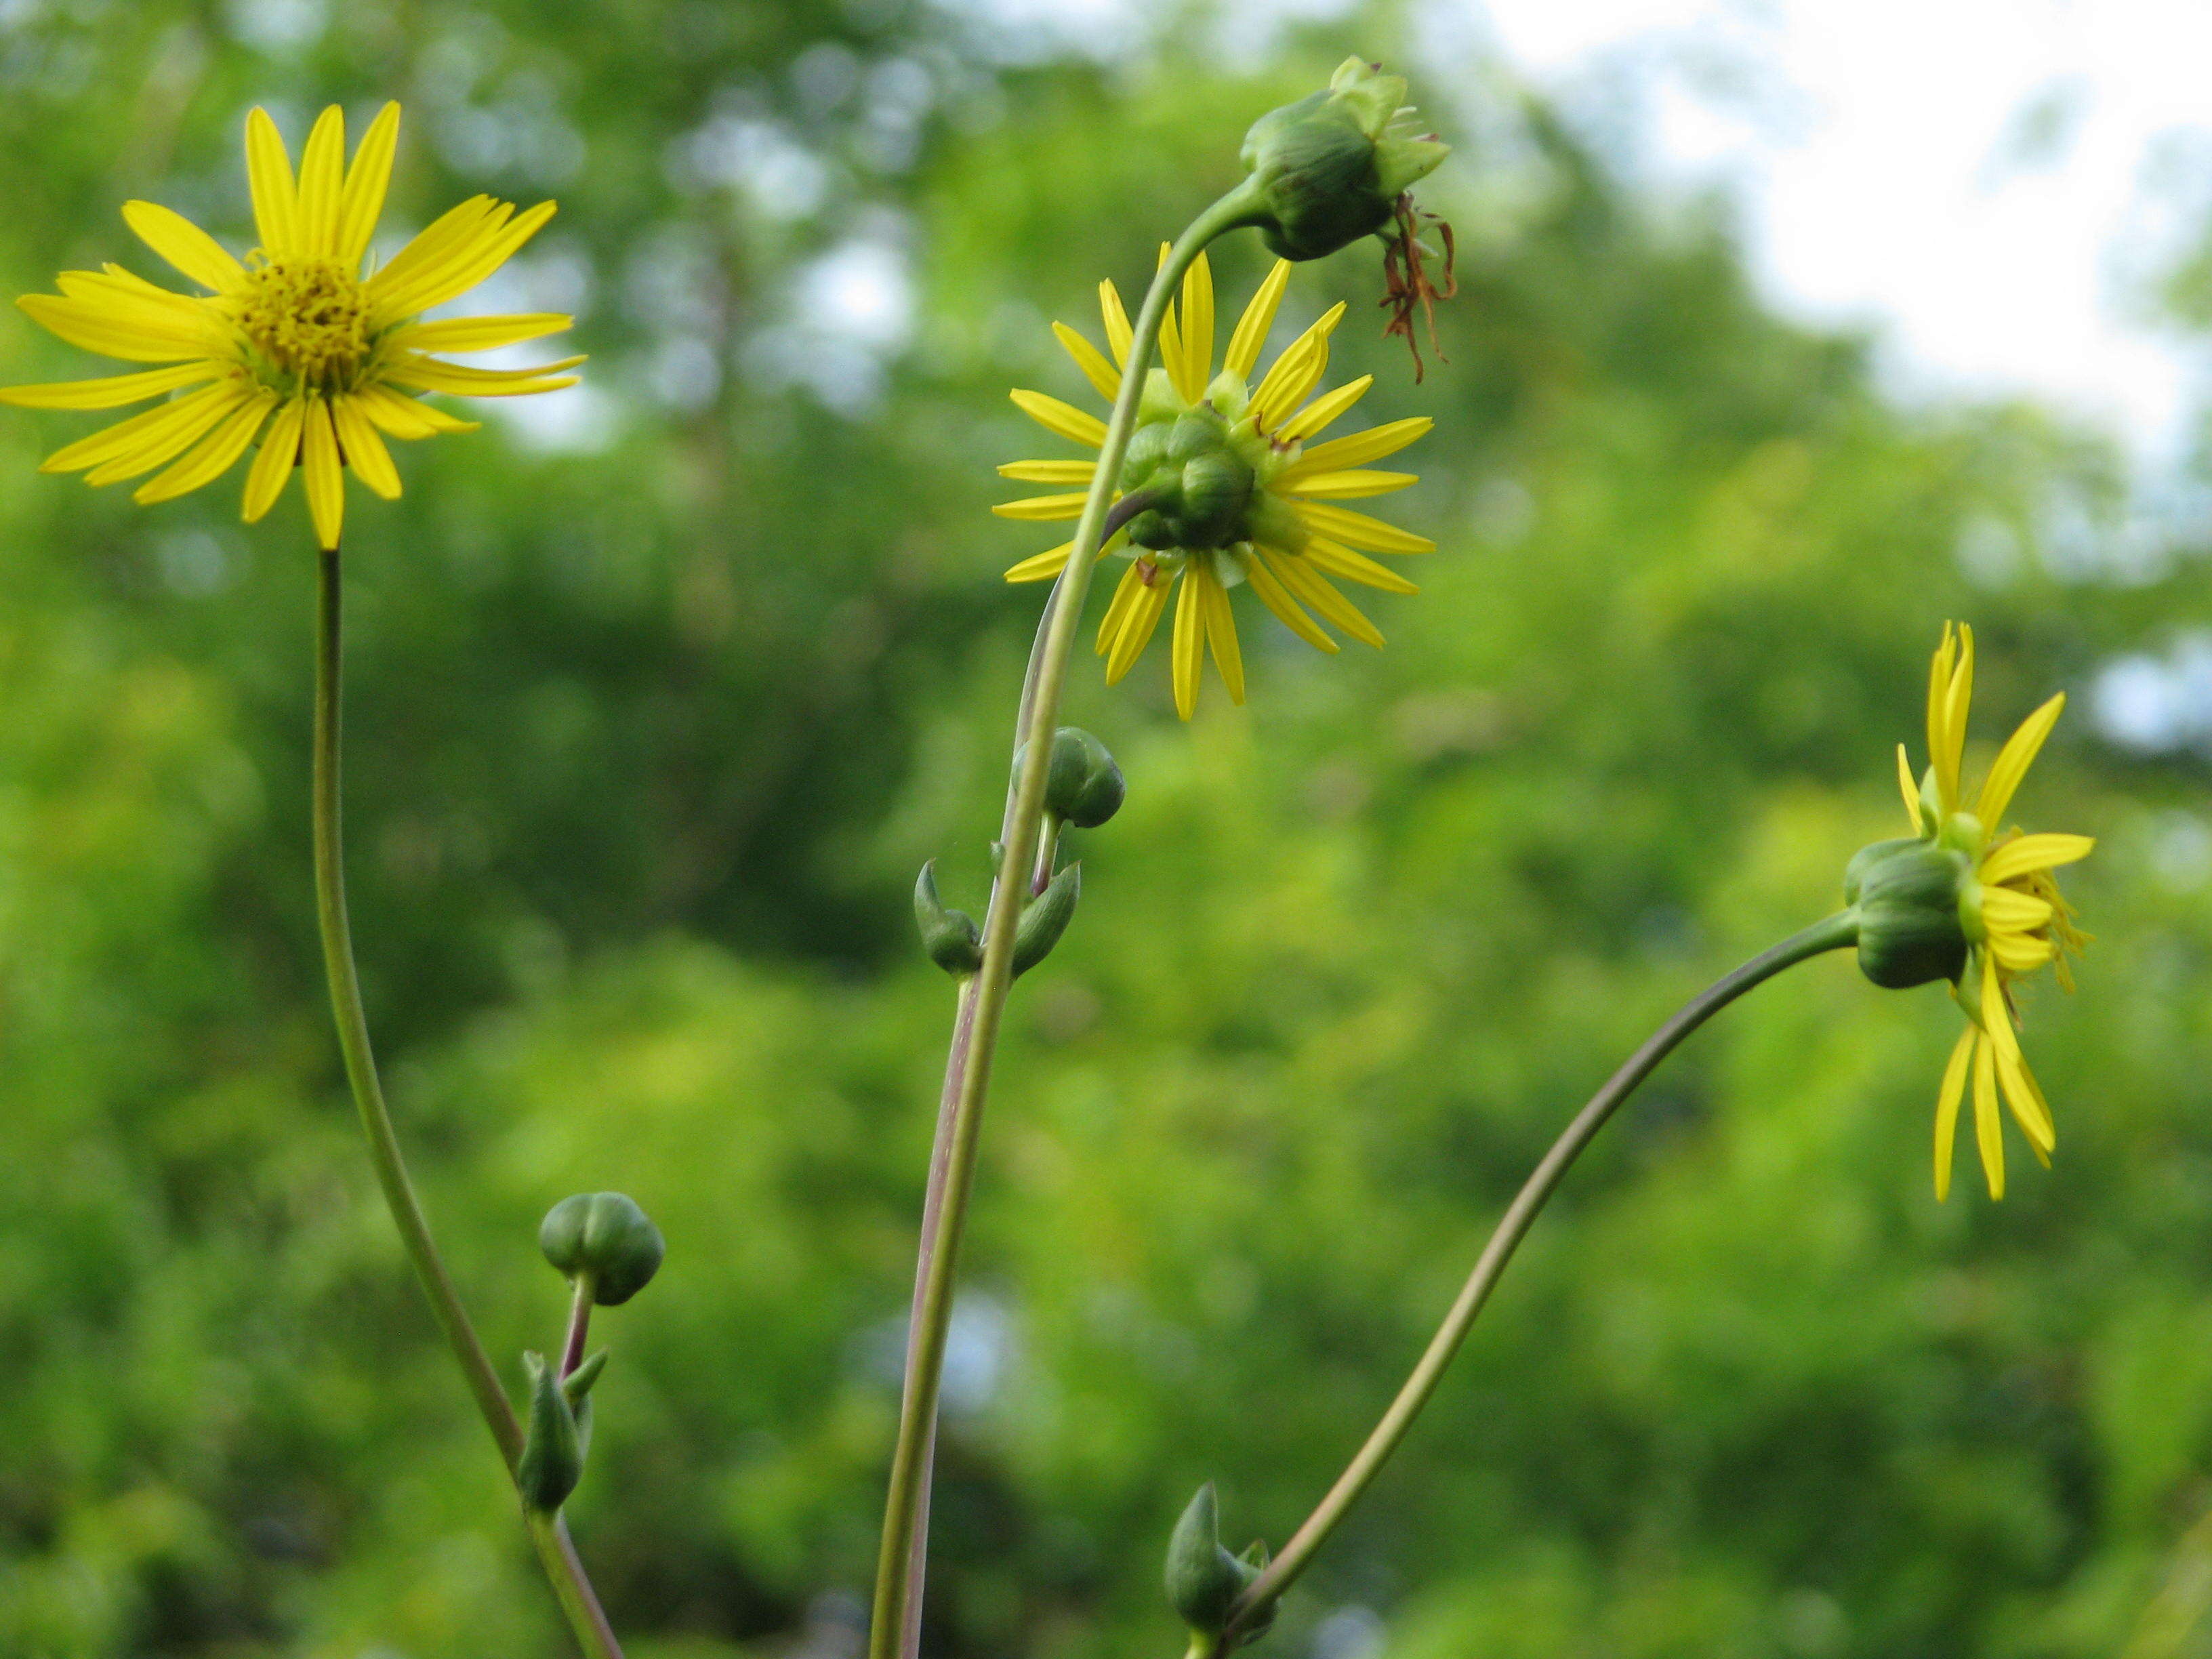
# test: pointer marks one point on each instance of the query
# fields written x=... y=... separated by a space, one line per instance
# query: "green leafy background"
x=651 y=727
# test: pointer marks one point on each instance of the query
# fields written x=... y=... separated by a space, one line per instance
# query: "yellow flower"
x=298 y=344
x=2009 y=906
x=1237 y=495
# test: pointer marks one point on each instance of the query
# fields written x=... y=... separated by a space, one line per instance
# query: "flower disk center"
x=308 y=317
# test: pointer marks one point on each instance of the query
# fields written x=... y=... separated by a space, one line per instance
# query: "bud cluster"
x=1083 y=787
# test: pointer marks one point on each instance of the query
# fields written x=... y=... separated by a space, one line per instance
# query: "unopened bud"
x=950 y=938
x=1907 y=894
x=1203 y=1579
x=1329 y=168
x=606 y=1238
x=552 y=1460
x=1082 y=785
x=1045 y=918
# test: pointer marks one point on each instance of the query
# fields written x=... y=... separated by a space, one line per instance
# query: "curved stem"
x=548 y=1531
x=1833 y=933
x=894 y=1626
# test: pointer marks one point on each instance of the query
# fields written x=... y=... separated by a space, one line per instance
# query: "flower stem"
x=548 y=1533
x=894 y=1626
x=1833 y=933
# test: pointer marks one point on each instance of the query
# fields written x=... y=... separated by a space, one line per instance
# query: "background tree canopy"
x=656 y=708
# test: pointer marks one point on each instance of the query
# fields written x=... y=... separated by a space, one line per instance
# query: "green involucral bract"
x=1911 y=897
x=1329 y=168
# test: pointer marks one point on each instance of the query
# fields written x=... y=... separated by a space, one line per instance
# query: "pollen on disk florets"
x=307 y=317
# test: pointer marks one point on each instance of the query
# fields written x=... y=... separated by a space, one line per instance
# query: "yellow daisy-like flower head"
x=1966 y=899
x=300 y=345
x=1234 y=494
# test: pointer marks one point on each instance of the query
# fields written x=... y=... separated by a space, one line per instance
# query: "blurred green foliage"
x=655 y=718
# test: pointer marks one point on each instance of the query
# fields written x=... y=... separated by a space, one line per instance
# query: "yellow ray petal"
x=1947 y=728
x=1908 y=788
x=183 y=245
x=1041 y=567
x=111 y=391
x=1105 y=379
x=269 y=174
x=215 y=455
x=2005 y=911
x=1296 y=372
x=161 y=442
x=1119 y=334
x=1947 y=1109
x=1065 y=419
x=1043 y=509
x=1357 y=530
x=1325 y=554
x=322 y=181
x=1049 y=471
x=1251 y=335
x=403 y=416
x=1323 y=410
x=322 y=474
x=2020 y=1093
x=364 y=451
x=272 y=467
x=2023 y=855
x=1988 y=1131
x=2018 y=954
x=2014 y=760
x=1311 y=589
x=101 y=329
x=1221 y=632
x=1189 y=651
x=1145 y=609
x=1171 y=358
x=1355 y=449
x=366 y=182
x=125 y=436
x=477 y=333
x=1198 y=326
x=1277 y=598
x=1346 y=486
x=463 y=223
x=1126 y=593
x=466 y=266
x=428 y=374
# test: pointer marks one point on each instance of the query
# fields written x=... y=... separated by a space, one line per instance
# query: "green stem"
x=894 y=1627
x=1833 y=933
x=550 y=1534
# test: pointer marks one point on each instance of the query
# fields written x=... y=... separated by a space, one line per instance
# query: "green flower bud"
x=1329 y=168
x=1203 y=1579
x=1909 y=894
x=1045 y=918
x=1198 y=483
x=950 y=937
x=605 y=1236
x=1082 y=785
x=552 y=1459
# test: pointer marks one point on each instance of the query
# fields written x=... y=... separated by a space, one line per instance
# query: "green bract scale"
x=1909 y=894
x=1203 y=471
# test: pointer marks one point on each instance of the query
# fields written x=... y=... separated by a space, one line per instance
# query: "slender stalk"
x=894 y=1627
x=1833 y=933
x=570 y=1585
x=579 y=1325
